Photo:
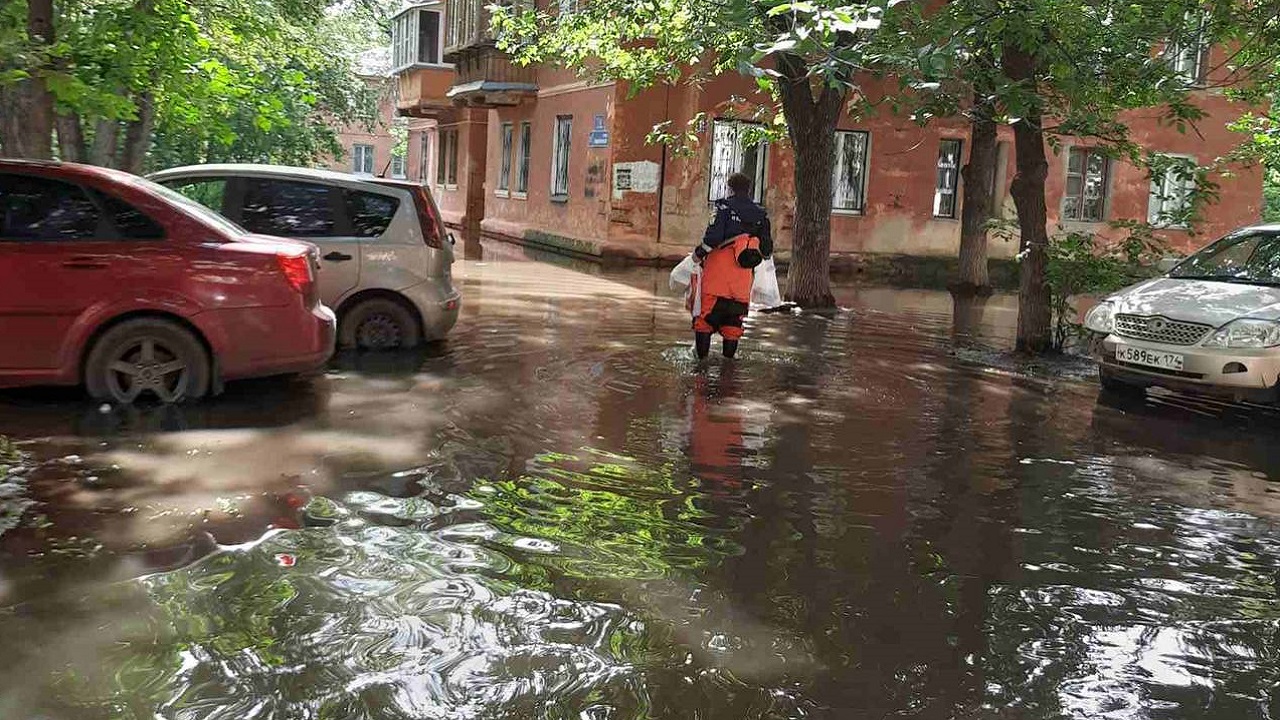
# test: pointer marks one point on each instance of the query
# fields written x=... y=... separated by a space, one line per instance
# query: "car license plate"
x=1142 y=356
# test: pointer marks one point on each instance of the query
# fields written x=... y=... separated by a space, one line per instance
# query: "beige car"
x=1211 y=324
x=385 y=255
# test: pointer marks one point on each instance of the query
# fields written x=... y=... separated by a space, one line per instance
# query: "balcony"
x=486 y=77
x=417 y=50
x=424 y=91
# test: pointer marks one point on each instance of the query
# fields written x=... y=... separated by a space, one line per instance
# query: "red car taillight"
x=297 y=272
x=427 y=218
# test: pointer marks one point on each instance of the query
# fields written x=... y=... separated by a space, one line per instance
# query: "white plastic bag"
x=764 y=285
x=683 y=272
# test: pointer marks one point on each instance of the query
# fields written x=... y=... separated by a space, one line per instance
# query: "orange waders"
x=719 y=301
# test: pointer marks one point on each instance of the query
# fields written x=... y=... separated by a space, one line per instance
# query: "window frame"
x=524 y=154
x=736 y=155
x=561 y=155
x=368 y=152
x=1105 y=182
x=1160 y=219
x=104 y=219
x=506 y=142
x=424 y=163
x=955 y=180
x=842 y=137
x=447 y=158
x=406 y=39
x=1194 y=50
x=403 y=162
x=336 y=199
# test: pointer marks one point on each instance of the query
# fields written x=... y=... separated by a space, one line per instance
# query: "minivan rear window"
x=370 y=213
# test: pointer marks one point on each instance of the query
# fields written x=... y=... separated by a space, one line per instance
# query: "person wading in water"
x=738 y=239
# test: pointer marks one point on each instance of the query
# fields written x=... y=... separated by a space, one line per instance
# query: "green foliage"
x=237 y=80
x=1271 y=197
x=1083 y=264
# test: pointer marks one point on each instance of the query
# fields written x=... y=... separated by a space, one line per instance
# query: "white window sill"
x=948 y=218
x=502 y=193
x=560 y=199
x=847 y=213
x=519 y=196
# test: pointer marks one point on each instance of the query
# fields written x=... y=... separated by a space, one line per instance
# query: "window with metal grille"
x=560 y=158
x=1169 y=203
x=504 y=168
x=522 y=161
x=946 y=191
x=734 y=151
x=849 y=176
x=397 y=166
x=1085 y=198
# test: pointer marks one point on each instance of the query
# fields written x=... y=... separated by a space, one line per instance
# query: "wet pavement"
x=558 y=514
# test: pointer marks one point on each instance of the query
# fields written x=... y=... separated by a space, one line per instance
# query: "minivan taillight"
x=297 y=271
x=427 y=218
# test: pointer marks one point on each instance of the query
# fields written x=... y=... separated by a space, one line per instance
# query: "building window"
x=415 y=39
x=397 y=166
x=849 y=180
x=452 y=180
x=424 y=165
x=1172 y=187
x=504 y=169
x=447 y=158
x=1086 y=196
x=560 y=158
x=1188 y=57
x=732 y=152
x=362 y=159
x=522 y=159
x=945 y=195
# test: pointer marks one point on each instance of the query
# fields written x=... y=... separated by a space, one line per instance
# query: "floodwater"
x=558 y=514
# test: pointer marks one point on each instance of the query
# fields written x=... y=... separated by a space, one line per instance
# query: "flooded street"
x=558 y=514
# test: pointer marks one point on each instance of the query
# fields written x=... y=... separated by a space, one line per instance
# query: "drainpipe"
x=662 y=166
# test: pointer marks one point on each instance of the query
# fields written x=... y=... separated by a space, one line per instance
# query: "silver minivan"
x=386 y=256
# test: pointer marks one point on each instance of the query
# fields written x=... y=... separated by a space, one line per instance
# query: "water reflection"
x=557 y=513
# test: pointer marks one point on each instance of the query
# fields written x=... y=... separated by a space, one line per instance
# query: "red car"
x=115 y=282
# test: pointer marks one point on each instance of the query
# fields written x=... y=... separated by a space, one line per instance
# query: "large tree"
x=138 y=83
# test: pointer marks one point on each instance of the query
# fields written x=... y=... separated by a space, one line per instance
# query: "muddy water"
x=557 y=514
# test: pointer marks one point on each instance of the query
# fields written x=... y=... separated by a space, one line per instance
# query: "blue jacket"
x=735 y=215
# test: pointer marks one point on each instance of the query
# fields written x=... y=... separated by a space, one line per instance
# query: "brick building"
x=369 y=145
x=539 y=155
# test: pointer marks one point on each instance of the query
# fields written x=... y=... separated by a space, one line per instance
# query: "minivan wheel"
x=147 y=356
x=379 y=324
x=1116 y=387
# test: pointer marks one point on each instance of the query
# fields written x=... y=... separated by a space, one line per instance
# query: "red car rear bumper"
x=257 y=342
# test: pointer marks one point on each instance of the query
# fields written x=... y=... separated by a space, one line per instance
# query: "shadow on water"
x=558 y=513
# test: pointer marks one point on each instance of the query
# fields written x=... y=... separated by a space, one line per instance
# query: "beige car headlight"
x=1246 y=333
x=1102 y=318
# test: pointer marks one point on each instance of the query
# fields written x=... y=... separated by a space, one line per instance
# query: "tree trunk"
x=811 y=123
x=71 y=147
x=105 y=143
x=137 y=138
x=979 y=198
x=1035 y=316
x=26 y=108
